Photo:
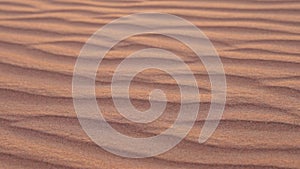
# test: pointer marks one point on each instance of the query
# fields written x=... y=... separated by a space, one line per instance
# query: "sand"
x=257 y=40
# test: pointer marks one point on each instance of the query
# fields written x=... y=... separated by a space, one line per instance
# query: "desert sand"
x=257 y=40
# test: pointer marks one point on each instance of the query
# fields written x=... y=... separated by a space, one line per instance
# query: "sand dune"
x=257 y=40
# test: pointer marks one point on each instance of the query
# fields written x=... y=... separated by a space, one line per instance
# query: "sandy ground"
x=257 y=40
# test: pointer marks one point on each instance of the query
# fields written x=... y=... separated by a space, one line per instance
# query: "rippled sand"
x=257 y=40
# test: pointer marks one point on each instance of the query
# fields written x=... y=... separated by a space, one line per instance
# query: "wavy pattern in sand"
x=257 y=40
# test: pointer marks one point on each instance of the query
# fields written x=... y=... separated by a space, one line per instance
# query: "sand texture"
x=257 y=40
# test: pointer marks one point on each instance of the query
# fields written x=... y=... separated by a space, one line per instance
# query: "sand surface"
x=257 y=40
